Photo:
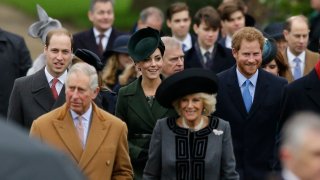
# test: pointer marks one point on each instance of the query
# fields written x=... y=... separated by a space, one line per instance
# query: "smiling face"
x=151 y=67
x=102 y=15
x=191 y=107
x=248 y=57
x=58 y=54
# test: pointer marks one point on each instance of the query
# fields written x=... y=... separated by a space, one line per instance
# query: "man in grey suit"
x=39 y=93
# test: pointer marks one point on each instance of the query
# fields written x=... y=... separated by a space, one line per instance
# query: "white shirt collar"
x=49 y=77
x=187 y=41
x=288 y=175
x=205 y=50
x=85 y=116
x=241 y=78
x=291 y=56
x=106 y=33
x=228 y=41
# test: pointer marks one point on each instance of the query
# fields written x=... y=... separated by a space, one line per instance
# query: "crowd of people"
x=224 y=102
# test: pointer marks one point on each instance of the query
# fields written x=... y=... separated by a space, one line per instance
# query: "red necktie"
x=100 y=46
x=53 y=88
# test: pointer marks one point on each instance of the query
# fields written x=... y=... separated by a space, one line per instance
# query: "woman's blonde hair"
x=209 y=103
x=109 y=72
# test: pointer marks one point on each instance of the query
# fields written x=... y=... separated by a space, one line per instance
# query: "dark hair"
x=226 y=9
x=175 y=8
x=209 y=16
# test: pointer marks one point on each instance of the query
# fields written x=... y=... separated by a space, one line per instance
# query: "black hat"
x=120 y=44
x=143 y=43
x=90 y=58
x=275 y=30
x=188 y=81
x=269 y=51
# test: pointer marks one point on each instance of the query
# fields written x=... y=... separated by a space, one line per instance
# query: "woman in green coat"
x=136 y=104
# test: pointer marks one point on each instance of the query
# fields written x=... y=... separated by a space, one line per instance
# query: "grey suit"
x=176 y=153
x=30 y=98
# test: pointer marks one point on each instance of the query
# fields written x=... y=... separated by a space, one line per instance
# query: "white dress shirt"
x=61 y=79
x=105 y=39
x=292 y=64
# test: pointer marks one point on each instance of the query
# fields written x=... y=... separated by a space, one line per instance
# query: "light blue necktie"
x=297 y=69
x=247 y=99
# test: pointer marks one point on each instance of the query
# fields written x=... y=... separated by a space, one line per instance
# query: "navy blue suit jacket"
x=253 y=133
x=86 y=40
x=222 y=58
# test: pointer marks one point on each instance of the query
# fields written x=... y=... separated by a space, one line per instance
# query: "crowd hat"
x=275 y=30
x=90 y=58
x=41 y=28
x=143 y=43
x=188 y=81
x=120 y=44
x=269 y=51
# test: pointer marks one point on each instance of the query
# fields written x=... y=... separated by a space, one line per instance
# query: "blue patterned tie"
x=247 y=99
x=297 y=69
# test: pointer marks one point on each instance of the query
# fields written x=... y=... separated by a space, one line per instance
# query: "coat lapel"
x=260 y=91
x=312 y=86
x=97 y=133
x=68 y=133
x=41 y=91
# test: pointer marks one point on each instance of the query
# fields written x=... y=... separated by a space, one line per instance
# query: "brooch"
x=217 y=132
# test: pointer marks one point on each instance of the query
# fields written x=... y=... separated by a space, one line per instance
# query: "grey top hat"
x=41 y=28
x=143 y=43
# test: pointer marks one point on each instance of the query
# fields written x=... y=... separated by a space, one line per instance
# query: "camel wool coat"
x=105 y=155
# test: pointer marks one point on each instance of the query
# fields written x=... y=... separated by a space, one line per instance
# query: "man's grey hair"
x=170 y=42
x=86 y=69
x=297 y=126
x=145 y=13
x=93 y=2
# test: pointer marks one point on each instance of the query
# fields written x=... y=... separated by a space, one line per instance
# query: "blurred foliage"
x=127 y=11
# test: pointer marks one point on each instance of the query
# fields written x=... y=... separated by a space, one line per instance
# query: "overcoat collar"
x=68 y=133
x=139 y=105
x=312 y=86
x=235 y=91
x=42 y=93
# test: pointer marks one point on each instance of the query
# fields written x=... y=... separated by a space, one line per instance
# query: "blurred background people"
x=207 y=53
x=300 y=147
x=275 y=31
x=194 y=139
x=15 y=62
x=39 y=93
x=314 y=35
x=100 y=38
x=178 y=20
x=272 y=59
x=40 y=30
x=150 y=17
x=136 y=103
x=232 y=19
x=301 y=60
x=117 y=62
x=173 y=57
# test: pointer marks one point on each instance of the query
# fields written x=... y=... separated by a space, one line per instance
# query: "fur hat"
x=41 y=28
x=143 y=43
x=188 y=81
